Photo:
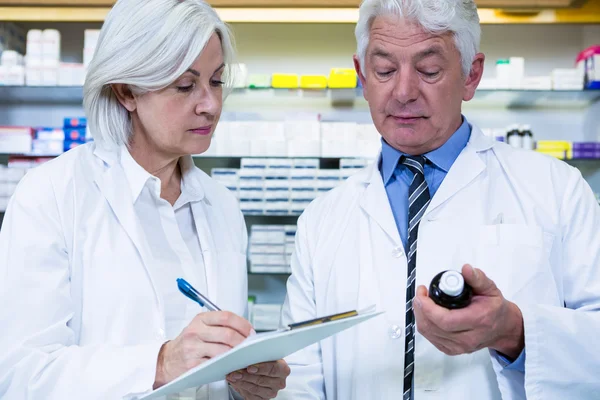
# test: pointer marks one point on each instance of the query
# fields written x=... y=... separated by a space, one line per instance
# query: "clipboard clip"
x=329 y=318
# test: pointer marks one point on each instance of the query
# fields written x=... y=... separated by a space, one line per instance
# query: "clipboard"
x=264 y=347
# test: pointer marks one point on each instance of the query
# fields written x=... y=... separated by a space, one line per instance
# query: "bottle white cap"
x=452 y=283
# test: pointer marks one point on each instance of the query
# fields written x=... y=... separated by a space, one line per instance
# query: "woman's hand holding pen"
x=208 y=335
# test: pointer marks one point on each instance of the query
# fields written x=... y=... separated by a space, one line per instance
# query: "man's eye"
x=384 y=74
x=431 y=74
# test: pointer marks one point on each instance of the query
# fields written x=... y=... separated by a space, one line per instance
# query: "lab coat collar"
x=192 y=188
x=111 y=182
x=465 y=169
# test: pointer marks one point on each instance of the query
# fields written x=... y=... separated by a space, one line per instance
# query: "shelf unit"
x=348 y=100
x=288 y=11
x=335 y=97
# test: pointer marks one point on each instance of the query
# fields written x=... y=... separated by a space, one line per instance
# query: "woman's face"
x=181 y=119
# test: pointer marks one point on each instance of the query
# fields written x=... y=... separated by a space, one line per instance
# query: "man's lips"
x=406 y=119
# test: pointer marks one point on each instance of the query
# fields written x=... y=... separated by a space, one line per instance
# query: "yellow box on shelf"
x=554 y=145
x=285 y=81
x=342 y=78
x=313 y=82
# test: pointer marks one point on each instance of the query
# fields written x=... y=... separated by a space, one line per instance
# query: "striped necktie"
x=418 y=200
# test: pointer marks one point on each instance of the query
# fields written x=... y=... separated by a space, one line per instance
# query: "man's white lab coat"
x=529 y=221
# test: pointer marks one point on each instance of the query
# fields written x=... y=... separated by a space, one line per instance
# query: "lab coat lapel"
x=207 y=244
x=113 y=186
x=465 y=169
x=375 y=203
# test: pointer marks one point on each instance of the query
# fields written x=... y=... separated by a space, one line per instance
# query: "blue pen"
x=189 y=291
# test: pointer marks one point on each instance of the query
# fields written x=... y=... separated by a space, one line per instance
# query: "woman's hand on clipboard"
x=208 y=335
x=260 y=382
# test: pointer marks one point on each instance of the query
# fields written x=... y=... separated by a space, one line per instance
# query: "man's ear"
x=125 y=96
x=361 y=75
x=474 y=77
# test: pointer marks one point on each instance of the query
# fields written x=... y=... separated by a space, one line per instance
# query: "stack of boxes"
x=294 y=139
x=281 y=186
x=271 y=247
x=75 y=132
x=339 y=78
x=91 y=37
x=12 y=48
x=54 y=141
x=15 y=140
x=9 y=179
x=11 y=176
x=510 y=75
x=265 y=317
x=41 y=66
x=566 y=150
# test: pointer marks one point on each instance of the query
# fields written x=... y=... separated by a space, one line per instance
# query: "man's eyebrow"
x=379 y=52
x=434 y=50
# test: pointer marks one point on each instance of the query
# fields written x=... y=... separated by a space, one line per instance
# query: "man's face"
x=414 y=84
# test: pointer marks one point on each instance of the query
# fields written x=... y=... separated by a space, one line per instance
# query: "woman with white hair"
x=93 y=242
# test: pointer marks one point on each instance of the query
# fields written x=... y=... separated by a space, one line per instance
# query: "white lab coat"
x=529 y=221
x=81 y=316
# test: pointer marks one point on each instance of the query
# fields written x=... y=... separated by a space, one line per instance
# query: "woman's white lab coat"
x=529 y=221
x=80 y=313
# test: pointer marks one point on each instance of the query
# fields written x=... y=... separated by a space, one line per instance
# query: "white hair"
x=436 y=16
x=147 y=45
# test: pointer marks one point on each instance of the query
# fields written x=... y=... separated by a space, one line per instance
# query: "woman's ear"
x=125 y=96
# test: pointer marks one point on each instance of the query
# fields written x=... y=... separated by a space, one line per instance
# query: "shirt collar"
x=443 y=157
x=137 y=176
x=191 y=183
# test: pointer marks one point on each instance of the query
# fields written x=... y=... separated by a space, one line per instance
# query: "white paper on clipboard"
x=256 y=349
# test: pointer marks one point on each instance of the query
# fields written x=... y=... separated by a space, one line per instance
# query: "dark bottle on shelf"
x=526 y=137
x=448 y=289
x=513 y=138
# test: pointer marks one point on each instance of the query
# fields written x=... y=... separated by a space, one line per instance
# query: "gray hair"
x=436 y=16
x=146 y=44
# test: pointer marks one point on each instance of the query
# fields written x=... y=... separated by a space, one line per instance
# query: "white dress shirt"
x=173 y=239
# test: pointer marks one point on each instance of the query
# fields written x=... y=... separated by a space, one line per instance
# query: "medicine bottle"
x=448 y=289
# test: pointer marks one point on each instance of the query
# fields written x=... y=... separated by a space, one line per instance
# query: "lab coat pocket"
x=512 y=255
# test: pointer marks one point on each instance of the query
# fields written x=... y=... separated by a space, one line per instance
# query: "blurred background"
x=297 y=125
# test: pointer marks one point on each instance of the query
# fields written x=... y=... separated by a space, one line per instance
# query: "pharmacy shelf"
x=269 y=273
x=41 y=95
x=335 y=97
x=302 y=11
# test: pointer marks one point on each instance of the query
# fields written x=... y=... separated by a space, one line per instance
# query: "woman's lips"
x=202 y=131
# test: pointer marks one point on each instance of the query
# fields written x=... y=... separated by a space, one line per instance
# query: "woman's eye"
x=185 y=89
x=217 y=83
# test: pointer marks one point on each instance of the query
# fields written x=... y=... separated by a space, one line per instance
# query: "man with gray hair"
x=520 y=226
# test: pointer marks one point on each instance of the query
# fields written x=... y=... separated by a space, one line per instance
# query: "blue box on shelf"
x=80 y=122
x=75 y=134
